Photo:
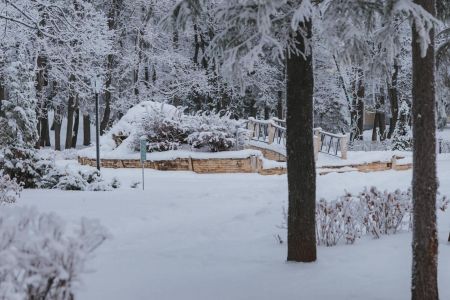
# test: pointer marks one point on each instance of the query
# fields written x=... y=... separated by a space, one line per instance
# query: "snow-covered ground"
x=190 y=236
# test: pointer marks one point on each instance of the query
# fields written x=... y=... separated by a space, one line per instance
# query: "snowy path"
x=204 y=237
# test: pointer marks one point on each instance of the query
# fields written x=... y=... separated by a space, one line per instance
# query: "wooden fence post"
x=271 y=132
x=344 y=146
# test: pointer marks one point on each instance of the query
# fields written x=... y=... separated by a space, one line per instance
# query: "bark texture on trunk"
x=393 y=97
x=425 y=241
x=76 y=125
x=280 y=105
x=70 y=114
x=57 y=127
x=300 y=155
x=86 y=130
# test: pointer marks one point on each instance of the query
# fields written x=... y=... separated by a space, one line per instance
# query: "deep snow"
x=190 y=236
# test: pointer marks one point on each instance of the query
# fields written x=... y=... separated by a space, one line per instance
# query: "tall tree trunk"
x=116 y=7
x=382 y=115
x=70 y=113
x=266 y=112
x=42 y=113
x=44 y=140
x=300 y=154
x=375 y=124
x=357 y=112
x=425 y=241
x=76 y=125
x=57 y=120
x=393 y=98
x=86 y=130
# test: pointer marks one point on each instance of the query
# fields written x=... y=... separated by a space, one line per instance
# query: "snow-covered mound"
x=128 y=123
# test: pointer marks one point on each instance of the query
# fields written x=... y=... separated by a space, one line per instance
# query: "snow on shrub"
x=76 y=178
x=370 y=212
x=25 y=165
x=9 y=189
x=40 y=258
x=162 y=133
x=131 y=122
x=217 y=131
x=33 y=170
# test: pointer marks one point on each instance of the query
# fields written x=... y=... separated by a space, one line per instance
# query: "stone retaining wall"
x=251 y=164
x=267 y=153
x=213 y=165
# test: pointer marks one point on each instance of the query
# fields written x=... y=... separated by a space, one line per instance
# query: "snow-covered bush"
x=30 y=169
x=75 y=178
x=40 y=258
x=370 y=212
x=402 y=138
x=217 y=131
x=25 y=165
x=162 y=133
x=9 y=189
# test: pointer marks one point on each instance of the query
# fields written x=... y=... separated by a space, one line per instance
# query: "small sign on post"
x=143 y=148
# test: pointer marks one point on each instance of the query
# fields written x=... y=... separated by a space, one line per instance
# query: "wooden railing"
x=273 y=131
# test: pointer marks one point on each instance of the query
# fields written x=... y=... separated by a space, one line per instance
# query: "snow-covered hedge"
x=9 y=189
x=217 y=131
x=204 y=130
x=29 y=168
x=40 y=257
x=163 y=133
x=25 y=165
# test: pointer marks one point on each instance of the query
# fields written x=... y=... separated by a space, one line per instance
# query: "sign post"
x=97 y=85
x=143 y=148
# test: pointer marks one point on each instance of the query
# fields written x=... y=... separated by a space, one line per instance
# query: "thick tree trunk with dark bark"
x=300 y=155
x=425 y=241
x=86 y=130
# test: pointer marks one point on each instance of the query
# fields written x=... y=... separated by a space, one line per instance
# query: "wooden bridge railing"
x=273 y=131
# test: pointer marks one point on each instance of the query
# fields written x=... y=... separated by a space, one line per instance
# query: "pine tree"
x=18 y=122
x=402 y=137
